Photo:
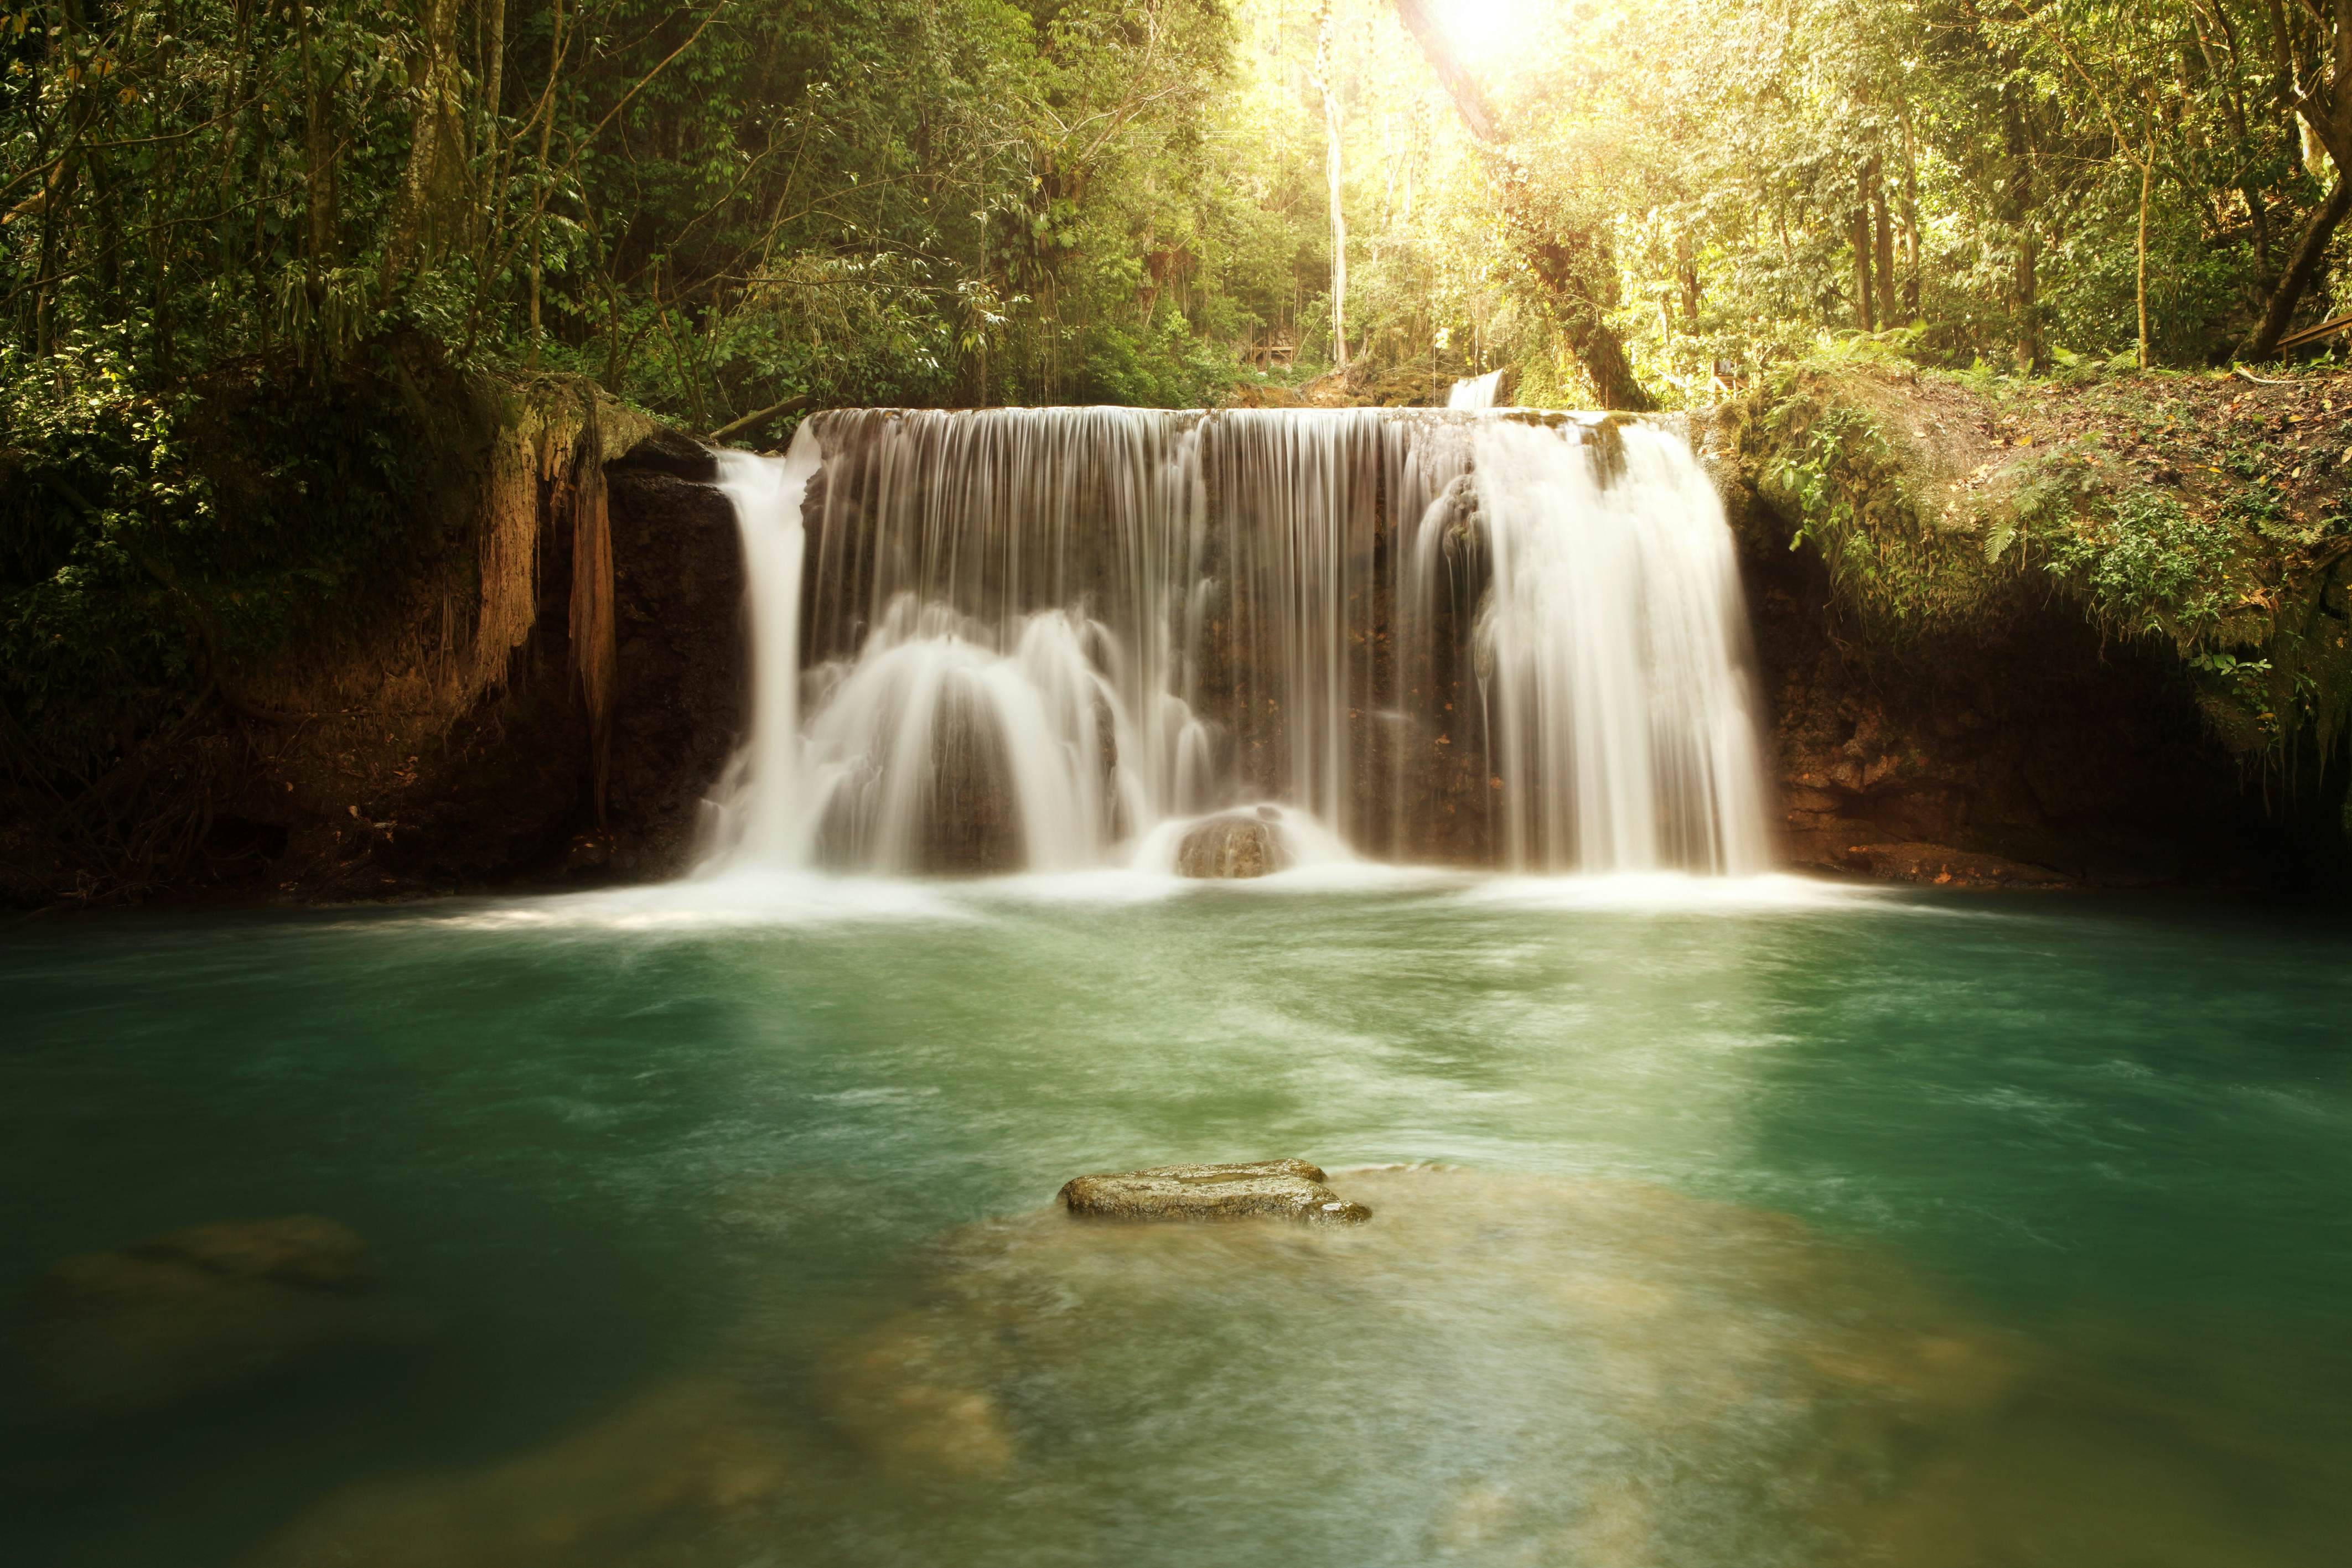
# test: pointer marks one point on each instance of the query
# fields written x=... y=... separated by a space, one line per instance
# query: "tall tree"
x=2312 y=49
x=1572 y=263
x=1334 y=177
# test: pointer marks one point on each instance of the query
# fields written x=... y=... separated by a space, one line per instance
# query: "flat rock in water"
x=1286 y=1190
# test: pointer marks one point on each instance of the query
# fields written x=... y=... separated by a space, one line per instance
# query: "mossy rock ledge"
x=2079 y=633
x=1284 y=1190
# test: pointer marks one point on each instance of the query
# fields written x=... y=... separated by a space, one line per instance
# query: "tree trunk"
x=411 y=235
x=1910 y=223
x=1557 y=259
x=2300 y=271
x=2259 y=216
x=1866 y=304
x=45 y=283
x=2025 y=291
x=1602 y=354
x=2147 y=176
x=1561 y=268
x=495 y=75
x=1477 y=114
x=539 y=203
x=106 y=209
x=1882 y=246
x=2030 y=353
x=1334 y=169
x=318 y=155
x=494 y=88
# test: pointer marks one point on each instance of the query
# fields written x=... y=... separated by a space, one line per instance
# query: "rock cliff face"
x=544 y=698
x=2034 y=756
x=453 y=745
x=566 y=728
x=680 y=700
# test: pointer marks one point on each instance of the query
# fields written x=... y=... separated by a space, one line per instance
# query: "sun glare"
x=1482 y=30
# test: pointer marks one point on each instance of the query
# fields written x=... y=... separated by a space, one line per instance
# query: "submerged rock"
x=1509 y=1369
x=687 y=1472
x=1289 y=1189
x=194 y=1311
x=918 y=1402
x=1233 y=845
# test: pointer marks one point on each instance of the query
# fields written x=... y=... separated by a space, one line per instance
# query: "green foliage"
x=2246 y=680
x=710 y=208
x=156 y=546
x=1832 y=465
x=714 y=208
x=2148 y=566
x=93 y=645
x=1840 y=473
x=1161 y=366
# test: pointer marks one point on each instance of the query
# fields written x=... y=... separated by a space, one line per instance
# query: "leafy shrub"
x=2148 y=565
x=153 y=541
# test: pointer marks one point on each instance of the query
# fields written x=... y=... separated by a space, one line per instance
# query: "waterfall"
x=1028 y=638
x=1614 y=639
x=1474 y=392
x=761 y=821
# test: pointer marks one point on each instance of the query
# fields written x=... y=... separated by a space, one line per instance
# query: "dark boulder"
x=670 y=451
x=681 y=706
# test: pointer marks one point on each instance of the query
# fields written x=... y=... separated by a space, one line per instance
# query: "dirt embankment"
x=2072 y=633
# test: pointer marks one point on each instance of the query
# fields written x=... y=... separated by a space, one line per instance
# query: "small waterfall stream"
x=1019 y=639
x=1474 y=392
x=762 y=785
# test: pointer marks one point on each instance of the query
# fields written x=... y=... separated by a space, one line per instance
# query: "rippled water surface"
x=1753 y=1225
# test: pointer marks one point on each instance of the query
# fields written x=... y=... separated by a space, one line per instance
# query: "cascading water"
x=1613 y=638
x=1476 y=393
x=761 y=821
x=1035 y=639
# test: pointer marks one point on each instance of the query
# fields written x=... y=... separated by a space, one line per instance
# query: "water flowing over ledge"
x=1476 y=392
x=1036 y=640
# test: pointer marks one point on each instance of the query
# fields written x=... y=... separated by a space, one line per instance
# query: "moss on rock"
x=2186 y=513
x=2000 y=557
